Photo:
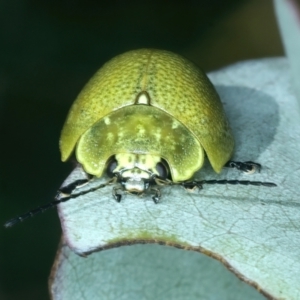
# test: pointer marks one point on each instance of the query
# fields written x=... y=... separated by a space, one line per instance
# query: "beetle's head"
x=137 y=172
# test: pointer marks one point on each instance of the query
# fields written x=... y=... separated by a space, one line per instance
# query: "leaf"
x=146 y=272
x=288 y=19
x=253 y=231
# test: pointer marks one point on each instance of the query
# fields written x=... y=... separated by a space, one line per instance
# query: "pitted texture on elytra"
x=140 y=129
x=172 y=83
x=115 y=85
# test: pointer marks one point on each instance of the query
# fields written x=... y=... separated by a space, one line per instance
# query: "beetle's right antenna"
x=189 y=185
x=63 y=195
x=198 y=184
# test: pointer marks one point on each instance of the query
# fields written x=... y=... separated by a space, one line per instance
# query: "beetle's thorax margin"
x=135 y=171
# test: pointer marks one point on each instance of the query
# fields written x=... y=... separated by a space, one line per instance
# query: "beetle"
x=148 y=118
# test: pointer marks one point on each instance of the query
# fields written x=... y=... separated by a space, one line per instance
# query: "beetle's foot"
x=248 y=167
x=155 y=199
x=118 y=197
x=157 y=196
x=117 y=194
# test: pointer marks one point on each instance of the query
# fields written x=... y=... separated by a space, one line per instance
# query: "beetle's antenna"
x=193 y=184
x=198 y=183
x=63 y=195
x=34 y=212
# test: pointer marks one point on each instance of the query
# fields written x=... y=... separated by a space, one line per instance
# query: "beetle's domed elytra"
x=171 y=84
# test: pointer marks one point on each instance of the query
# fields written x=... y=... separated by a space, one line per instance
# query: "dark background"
x=48 y=51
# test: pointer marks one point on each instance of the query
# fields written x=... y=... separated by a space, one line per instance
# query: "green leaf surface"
x=254 y=231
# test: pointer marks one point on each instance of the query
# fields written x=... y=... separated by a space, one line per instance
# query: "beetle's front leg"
x=191 y=186
x=67 y=190
x=157 y=195
x=116 y=194
x=188 y=185
x=248 y=167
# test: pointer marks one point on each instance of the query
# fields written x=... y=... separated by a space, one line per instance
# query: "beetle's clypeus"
x=147 y=118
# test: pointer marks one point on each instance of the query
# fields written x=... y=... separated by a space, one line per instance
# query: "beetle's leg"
x=188 y=185
x=248 y=167
x=157 y=195
x=67 y=190
x=117 y=196
x=62 y=197
x=162 y=181
x=192 y=185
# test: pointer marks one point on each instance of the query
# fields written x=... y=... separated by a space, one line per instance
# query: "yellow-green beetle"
x=146 y=105
x=147 y=117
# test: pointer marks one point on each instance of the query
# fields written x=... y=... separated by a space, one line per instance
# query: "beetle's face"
x=135 y=180
x=136 y=172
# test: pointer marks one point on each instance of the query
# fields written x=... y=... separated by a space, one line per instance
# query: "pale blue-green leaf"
x=146 y=272
x=288 y=19
x=254 y=231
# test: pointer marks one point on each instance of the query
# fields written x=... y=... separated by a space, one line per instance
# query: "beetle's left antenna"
x=34 y=212
x=63 y=195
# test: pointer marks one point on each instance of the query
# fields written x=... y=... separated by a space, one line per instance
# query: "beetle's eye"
x=111 y=165
x=162 y=169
